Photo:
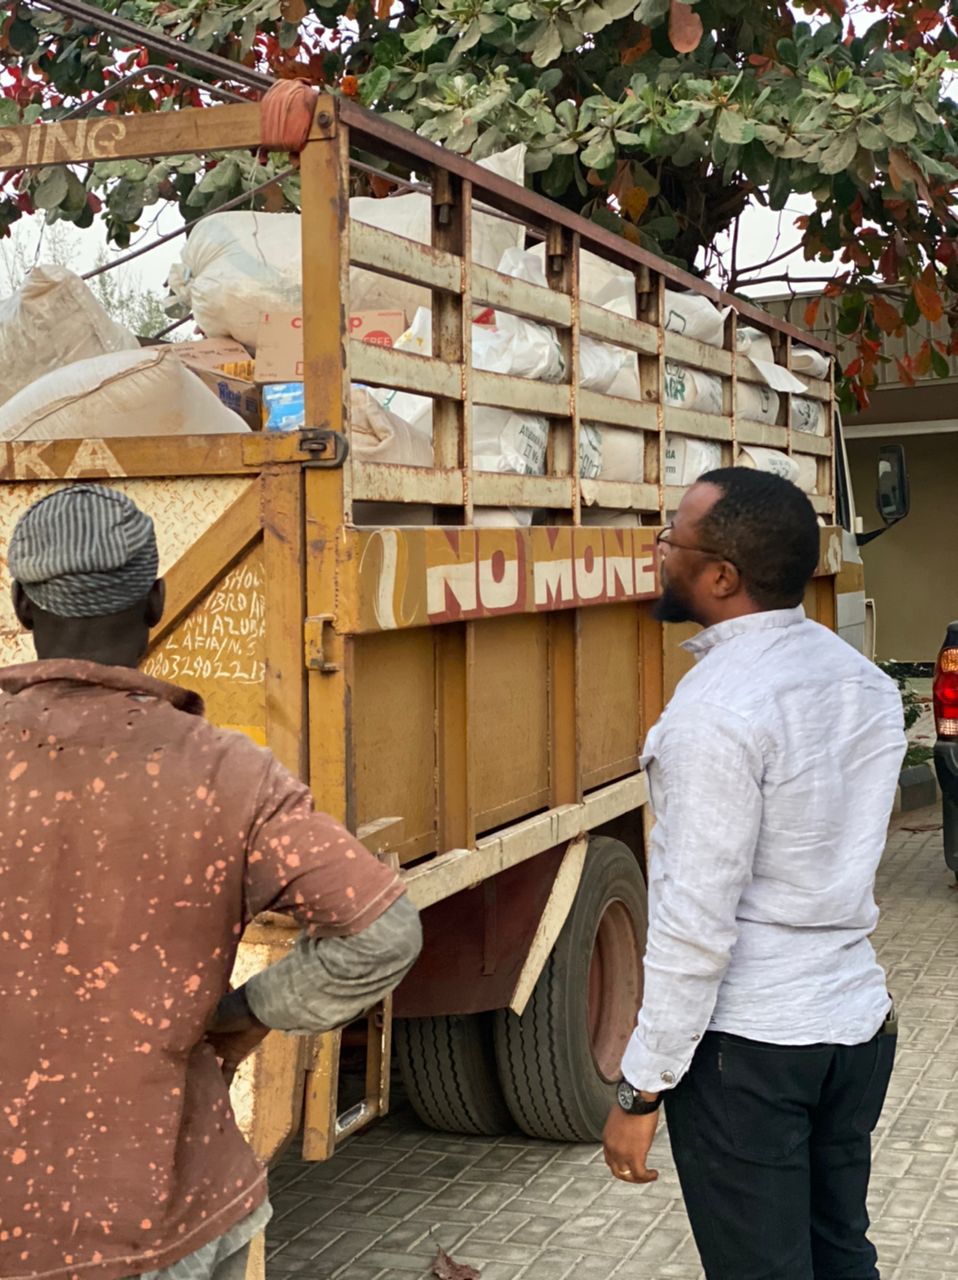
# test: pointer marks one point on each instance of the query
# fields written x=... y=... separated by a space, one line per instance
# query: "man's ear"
x=155 y=603
x=22 y=607
x=727 y=581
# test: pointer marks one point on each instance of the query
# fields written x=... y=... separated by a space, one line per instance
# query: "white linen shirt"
x=772 y=774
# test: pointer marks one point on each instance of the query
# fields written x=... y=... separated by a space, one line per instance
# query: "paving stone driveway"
x=516 y=1208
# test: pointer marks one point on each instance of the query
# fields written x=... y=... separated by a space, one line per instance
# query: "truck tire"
x=448 y=1069
x=559 y=1062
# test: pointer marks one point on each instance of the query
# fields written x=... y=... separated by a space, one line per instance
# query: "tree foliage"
x=660 y=119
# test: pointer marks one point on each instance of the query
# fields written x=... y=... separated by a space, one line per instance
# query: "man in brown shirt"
x=136 y=841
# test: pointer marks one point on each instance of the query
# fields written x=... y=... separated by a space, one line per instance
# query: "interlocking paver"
x=523 y=1210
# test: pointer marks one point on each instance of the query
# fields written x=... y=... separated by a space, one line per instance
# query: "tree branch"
x=760 y=266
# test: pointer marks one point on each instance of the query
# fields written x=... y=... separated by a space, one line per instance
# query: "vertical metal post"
x=452 y=329
x=324 y=170
x=562 y=273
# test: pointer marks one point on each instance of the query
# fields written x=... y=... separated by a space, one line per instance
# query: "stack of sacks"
x=236 y=266
x=503 y=441
x=70 y=372
x=147 y=392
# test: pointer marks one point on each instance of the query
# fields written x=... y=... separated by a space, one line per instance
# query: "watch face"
x=625 y=1094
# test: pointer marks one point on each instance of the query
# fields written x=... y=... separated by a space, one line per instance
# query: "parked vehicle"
x=469 y=692
x=945 y=697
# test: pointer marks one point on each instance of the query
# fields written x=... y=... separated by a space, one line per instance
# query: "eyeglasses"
x=664 y=539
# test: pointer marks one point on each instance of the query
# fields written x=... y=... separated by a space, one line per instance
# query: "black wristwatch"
x=631 y=1100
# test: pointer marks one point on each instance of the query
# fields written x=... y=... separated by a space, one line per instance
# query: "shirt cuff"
x=653 y=1072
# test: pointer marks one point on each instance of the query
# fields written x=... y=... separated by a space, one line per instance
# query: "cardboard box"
x=279 y=340
x=378 y=328
x=210 y=353
x=206 y=359
x=239 y=394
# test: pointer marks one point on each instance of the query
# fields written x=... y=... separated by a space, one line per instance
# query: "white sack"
x=757 y=345
x=376 y=435
x=755 y=403
x=511 y=443
x=687 y=388
x=603 y=367
x=411 y=216
x=795 y=469
x=810 y=416
x=811 y=362
x=53 y=319
x=146 y=392
x=236 y=265
x=622 y=455
x=687 y=458
x=501 y=440
x=695 y=317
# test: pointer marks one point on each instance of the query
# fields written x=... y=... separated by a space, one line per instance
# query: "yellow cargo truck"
x=468 y=692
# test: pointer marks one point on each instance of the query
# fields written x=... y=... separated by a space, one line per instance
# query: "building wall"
x=911 y=571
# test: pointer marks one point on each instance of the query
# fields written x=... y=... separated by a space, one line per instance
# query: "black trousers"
x=773 y=1149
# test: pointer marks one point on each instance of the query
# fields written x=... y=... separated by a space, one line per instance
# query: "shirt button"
x=696 y=1037
x=668 y=1077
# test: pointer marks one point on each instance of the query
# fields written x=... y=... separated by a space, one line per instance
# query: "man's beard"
x=672 y=606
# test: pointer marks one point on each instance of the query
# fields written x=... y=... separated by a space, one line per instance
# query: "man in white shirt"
x=766 y=1024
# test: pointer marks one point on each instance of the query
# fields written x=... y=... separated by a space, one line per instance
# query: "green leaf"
x=125 y=201
x=600 y=154
x=787 y=52
x=733 y=128
x=899 y=121
x=421 y=39
x=557 y=178
x=373 y=85
x=9 y=112
x=680 y=120
x=51 y=188
x=819 y=76
x=548 y=45
x=870 y=136
x=838 y=156
x=23 y=38
x=939 y=364
x=928 y=112
x=550 y=80
x=910 y=313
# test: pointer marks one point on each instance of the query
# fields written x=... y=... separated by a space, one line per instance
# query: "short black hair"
x=768 y=529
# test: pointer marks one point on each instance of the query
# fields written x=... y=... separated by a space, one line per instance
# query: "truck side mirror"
x=894 y=500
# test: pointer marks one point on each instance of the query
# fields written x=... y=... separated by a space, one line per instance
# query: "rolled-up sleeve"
x=326 y=982
x=709 y=771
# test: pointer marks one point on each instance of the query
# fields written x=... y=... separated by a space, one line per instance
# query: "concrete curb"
x=917 y=788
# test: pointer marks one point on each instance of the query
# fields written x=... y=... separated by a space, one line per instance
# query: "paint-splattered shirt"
x=136 y=840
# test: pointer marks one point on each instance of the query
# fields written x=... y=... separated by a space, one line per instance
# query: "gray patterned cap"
x=84 y=552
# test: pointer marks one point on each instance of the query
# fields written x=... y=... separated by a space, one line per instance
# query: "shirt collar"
x=767 y=620
x=94 y=675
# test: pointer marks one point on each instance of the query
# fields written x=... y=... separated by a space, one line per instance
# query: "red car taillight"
x=946 y=694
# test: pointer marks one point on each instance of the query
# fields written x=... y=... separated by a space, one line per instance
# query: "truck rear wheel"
x=448 y=1069
x=559 y=1062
